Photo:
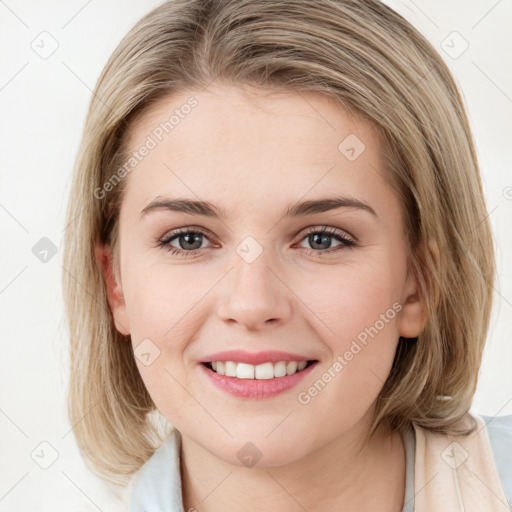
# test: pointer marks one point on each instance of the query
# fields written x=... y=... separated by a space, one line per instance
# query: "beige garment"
x=456 y=473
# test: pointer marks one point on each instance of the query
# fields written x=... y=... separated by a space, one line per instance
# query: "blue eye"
x=321 y=240
x=190 y=240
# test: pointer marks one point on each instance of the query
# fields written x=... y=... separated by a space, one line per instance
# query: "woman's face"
x=255 y=275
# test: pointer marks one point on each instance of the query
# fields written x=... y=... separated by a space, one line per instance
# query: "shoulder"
x=157 y=484
x=499 y=431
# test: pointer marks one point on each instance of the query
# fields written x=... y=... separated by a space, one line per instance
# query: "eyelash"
x=346 y=243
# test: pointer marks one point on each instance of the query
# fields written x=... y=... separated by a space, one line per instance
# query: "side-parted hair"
x=376 y=65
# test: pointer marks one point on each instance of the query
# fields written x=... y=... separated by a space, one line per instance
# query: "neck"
x=342 y=475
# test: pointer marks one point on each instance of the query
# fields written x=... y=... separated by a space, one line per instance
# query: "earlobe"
x=114 y=290
x=414 y=315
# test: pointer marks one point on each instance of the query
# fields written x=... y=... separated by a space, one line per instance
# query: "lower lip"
x=256 y=388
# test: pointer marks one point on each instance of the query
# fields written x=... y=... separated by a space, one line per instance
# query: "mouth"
x=264 y=371
x=260 y=381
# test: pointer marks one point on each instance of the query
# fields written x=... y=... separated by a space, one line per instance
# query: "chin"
x=258 y=451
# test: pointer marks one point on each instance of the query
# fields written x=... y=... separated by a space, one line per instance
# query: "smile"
x=261 y=380
x=264 y=371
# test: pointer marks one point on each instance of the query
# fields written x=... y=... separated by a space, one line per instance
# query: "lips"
x=256 y=374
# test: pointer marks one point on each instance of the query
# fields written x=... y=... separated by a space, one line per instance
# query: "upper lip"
x=242 y=356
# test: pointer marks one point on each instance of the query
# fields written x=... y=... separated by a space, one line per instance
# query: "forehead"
x=247 y=145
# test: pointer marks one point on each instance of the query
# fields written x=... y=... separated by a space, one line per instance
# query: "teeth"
x=244 y=371
x=260 y=372
x=280 y=369
x=291 y=367
x=230 y=368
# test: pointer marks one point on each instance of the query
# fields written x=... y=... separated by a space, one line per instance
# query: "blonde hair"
x=373 y=63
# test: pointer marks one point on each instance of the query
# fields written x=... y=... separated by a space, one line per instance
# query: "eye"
x=320 y=239
x=187 y=240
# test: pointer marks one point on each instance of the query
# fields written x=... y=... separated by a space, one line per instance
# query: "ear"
x=414 y=315
x=114 y=289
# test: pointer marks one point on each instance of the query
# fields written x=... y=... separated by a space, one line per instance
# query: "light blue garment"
x=157 y=485
x=499 y=430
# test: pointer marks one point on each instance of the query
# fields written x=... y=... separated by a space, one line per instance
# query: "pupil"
x=319 y=238
x=190 y=239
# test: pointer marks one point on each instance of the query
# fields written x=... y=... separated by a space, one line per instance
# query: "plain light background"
x=43 y=102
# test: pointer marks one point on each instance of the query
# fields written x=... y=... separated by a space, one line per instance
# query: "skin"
x=254 y=152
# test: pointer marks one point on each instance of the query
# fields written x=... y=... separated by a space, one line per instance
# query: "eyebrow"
x=303 y=208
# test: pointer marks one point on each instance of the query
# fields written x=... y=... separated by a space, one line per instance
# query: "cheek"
x=357 y=311
x=166 y=309
x=354 y=298
x=161 y=300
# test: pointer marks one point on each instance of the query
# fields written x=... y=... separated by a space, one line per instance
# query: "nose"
x=255 y=296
